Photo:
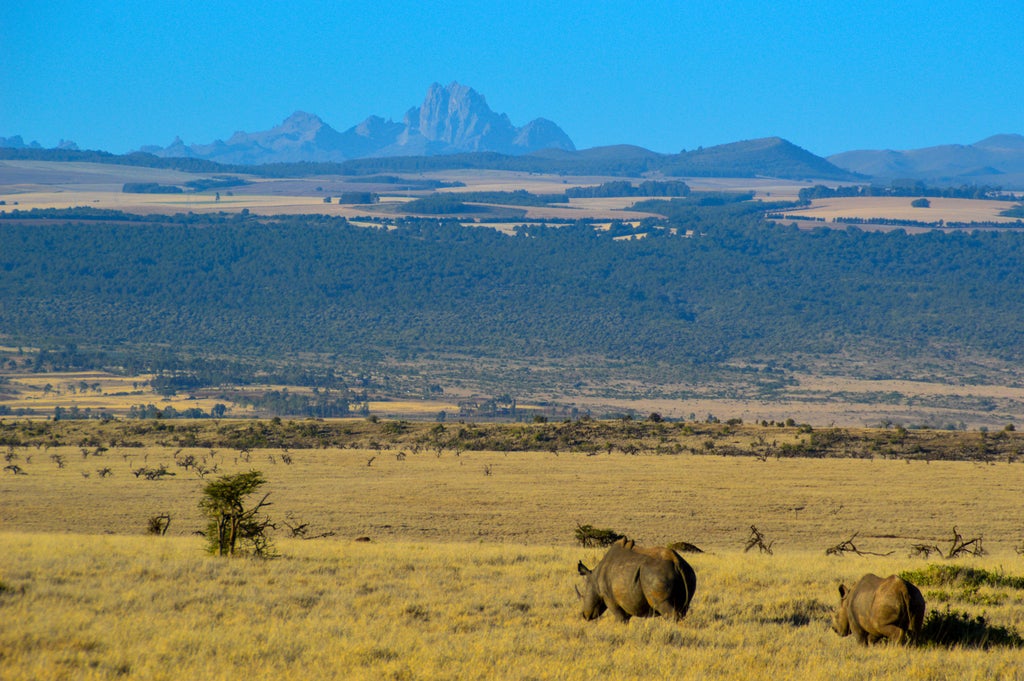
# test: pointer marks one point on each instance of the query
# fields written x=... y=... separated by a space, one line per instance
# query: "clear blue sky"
x=827 y=76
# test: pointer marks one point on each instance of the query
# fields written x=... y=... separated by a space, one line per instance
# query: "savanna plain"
x=470 y=567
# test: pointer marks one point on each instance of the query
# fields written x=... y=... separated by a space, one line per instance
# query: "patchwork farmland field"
x=900 y=208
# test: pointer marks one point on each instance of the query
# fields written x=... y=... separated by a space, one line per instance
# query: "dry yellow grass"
x=536 y=497
x=470 y=573
x=93 y=607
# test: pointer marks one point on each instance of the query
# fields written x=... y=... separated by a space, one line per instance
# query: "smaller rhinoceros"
x=876 y=609
x=637 y=582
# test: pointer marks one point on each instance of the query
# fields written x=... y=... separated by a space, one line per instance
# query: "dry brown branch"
x=849 y=547
x=960 y=546
x=300 y=530
x=924 y=550
x=757 y=539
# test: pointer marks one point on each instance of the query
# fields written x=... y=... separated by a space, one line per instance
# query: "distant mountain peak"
x=451 y=119
x=1006 y=141
x=302 y=120
x=16 y=142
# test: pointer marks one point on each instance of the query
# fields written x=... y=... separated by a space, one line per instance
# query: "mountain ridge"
x=451 y=119
x=995 y=159
x=454 y=127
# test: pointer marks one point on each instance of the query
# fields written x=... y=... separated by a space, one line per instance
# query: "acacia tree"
x=231 y=522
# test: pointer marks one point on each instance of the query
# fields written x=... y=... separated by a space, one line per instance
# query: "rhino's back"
x=636 y=578
x=878 y=603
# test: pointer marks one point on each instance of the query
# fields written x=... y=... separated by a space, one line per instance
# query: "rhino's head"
x=593 y=604
x=841 y=617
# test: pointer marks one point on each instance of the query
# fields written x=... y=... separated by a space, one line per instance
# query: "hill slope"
x=741 y=288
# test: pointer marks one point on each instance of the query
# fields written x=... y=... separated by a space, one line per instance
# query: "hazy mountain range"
x=994 y=160
x=456 y=122
x=452 y=119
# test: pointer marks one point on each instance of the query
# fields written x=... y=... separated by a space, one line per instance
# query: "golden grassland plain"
x=88 y=607
x=471 y=569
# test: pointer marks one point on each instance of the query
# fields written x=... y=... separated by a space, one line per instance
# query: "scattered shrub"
x=588 y=535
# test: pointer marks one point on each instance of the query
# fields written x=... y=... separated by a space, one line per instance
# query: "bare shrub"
x=158 y=524
x=757 y=539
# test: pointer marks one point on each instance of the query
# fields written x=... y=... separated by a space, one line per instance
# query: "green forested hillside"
x=736 y=287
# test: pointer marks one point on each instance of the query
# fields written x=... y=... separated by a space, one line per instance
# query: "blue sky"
x=827 y=76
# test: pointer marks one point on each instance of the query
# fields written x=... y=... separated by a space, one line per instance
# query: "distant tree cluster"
x=150 y=188
x=151 y=411
x=439 y=204
x=908 y=188
x=358 y=198
x=219 y=182
x=519 y=197
x=320 y=405
x=626 y=188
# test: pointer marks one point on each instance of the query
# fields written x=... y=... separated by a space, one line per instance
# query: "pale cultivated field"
x=471 y=575
x=98 y=391
x=40 y=184
x=168 y=204
x=899 y=208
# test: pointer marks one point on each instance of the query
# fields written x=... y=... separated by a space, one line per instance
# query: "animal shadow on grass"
x=957 y=629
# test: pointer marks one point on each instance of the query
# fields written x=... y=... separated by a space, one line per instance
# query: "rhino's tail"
x=912 y=611
x=689 y=580
x=915 y=612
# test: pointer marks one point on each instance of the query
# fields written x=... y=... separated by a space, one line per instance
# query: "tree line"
x=907 y=188
x=707 y=284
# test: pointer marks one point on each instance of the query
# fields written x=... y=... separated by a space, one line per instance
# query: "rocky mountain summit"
x=452 y=119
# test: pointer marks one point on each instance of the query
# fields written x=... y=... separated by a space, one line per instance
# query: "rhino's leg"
x=667 y=608
x=617 y=612
x=893 y=633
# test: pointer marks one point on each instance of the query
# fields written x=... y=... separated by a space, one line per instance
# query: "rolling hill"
x=996 y=160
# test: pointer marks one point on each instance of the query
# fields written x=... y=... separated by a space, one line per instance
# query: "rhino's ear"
x=583 y=569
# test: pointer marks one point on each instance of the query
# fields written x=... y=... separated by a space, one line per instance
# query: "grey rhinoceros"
x=631 y=581
x=876 y=609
